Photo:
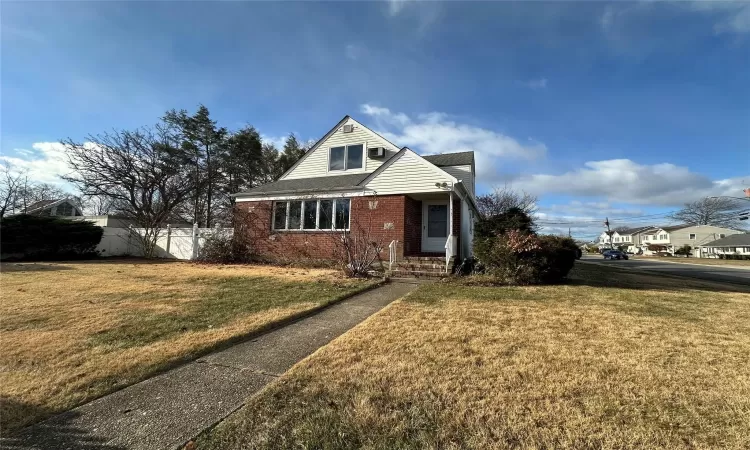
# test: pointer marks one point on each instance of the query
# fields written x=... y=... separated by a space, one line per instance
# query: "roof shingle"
x=451 y=159
x=733 y=240
x=309 y=184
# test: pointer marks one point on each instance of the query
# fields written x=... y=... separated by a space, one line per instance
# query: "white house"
x=353 y=178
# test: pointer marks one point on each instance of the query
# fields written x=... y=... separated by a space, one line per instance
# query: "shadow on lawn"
x=51 y=266
x=57 y=432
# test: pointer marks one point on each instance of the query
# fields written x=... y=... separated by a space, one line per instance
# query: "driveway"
x=710 y=273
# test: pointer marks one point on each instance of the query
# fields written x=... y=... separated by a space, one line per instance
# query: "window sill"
x=308 y=231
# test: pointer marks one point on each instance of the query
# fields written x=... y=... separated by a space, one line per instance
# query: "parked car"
x=614 y=254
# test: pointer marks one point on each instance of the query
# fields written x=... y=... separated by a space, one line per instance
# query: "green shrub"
x=516 y=257
x=513 y=219
x=39 y=238
x=684 y=250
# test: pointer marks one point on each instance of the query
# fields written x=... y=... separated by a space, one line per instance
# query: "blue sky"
x=622 y=109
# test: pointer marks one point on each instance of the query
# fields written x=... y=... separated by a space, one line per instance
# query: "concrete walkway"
x=168 y=409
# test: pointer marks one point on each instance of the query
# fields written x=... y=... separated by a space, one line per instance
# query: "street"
x=710 y=273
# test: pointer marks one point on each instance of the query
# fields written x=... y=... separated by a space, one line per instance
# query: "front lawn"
x=71 y=332
x=613 y=360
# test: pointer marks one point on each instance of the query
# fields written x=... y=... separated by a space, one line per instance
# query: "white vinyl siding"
x=315 y=164
x=409 y=174
x=464 y=174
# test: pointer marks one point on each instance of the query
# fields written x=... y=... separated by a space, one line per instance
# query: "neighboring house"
x=677 y=236
x=63 y=207
x=735 y=245
x=670 y=238
x=354 y=179
x=630 y=238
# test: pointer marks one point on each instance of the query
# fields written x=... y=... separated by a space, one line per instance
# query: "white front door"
x=435 y=225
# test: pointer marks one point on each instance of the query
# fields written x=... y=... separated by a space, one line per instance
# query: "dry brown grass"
x=73 y=331
x=612 y=360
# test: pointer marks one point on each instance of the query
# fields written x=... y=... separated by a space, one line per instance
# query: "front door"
x=434 y=226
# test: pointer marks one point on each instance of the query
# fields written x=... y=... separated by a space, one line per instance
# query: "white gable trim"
x=316 y=145
x=399 y=155
x=345 y=121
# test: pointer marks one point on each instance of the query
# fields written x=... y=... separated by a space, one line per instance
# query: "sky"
x=624 y=110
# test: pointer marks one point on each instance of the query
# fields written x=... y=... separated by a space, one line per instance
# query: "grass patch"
x=613 y=359
x=71 y=332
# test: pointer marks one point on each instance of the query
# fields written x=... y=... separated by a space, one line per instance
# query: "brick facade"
x=388 y=218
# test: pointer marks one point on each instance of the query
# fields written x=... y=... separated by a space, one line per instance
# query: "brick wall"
x=381 y=219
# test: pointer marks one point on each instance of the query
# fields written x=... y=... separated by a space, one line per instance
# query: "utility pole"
x=569 y=235
x=609 y=232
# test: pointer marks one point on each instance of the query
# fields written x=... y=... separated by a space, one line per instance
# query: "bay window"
x=324 y=214
x=346 y=157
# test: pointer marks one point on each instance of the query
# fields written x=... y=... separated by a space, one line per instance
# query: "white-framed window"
x=346 y=157
x=311 y=215
x=646 y=238
x=663 y=237
x=691 y=236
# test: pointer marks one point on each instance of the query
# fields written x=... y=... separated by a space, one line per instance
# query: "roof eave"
x=297 y=191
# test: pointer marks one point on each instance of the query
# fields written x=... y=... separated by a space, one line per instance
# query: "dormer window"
x=347 y=157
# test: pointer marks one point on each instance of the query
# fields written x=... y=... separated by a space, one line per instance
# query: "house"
x=630 y=238
x=735 y=245
x=674 y=237
x=63 y=207
x=667 y=238
x=356 y=181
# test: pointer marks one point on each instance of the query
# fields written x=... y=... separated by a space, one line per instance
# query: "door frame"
x=431 y=246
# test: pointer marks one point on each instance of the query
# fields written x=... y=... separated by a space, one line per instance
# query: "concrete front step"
x=431 y=275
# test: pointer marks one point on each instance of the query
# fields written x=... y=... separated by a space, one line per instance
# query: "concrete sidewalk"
x=168 y=409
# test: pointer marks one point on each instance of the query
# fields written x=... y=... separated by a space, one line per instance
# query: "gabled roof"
x=451 y=159
x=326 y=136
x=733 y=240
x=631 y=231
x=41 y=204
x=671 y=228
x=317 y=184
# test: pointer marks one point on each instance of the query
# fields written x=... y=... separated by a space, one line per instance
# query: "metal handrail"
x=448 y=251
x=392 y=253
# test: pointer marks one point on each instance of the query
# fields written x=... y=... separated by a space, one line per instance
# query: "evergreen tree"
x=204 y=144
x=292 y=152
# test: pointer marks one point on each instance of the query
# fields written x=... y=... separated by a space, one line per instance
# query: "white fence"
x=176 y=243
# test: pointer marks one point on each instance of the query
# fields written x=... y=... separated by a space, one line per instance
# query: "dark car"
x=614 y=254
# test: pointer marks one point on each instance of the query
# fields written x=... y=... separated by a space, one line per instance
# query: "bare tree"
x=717 y=211
x=503 y=199
x=358 y=248
x=99 y=205
x=141 y=171
x=12 y=185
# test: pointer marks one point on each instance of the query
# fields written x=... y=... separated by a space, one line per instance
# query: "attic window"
x=64 y=209
x=346 y=157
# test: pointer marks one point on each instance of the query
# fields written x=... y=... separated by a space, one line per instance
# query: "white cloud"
x=623 y=180
x=436 y=132
x=277 y=141
x=535 y=84
x=396 y=6
x=44 y=164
